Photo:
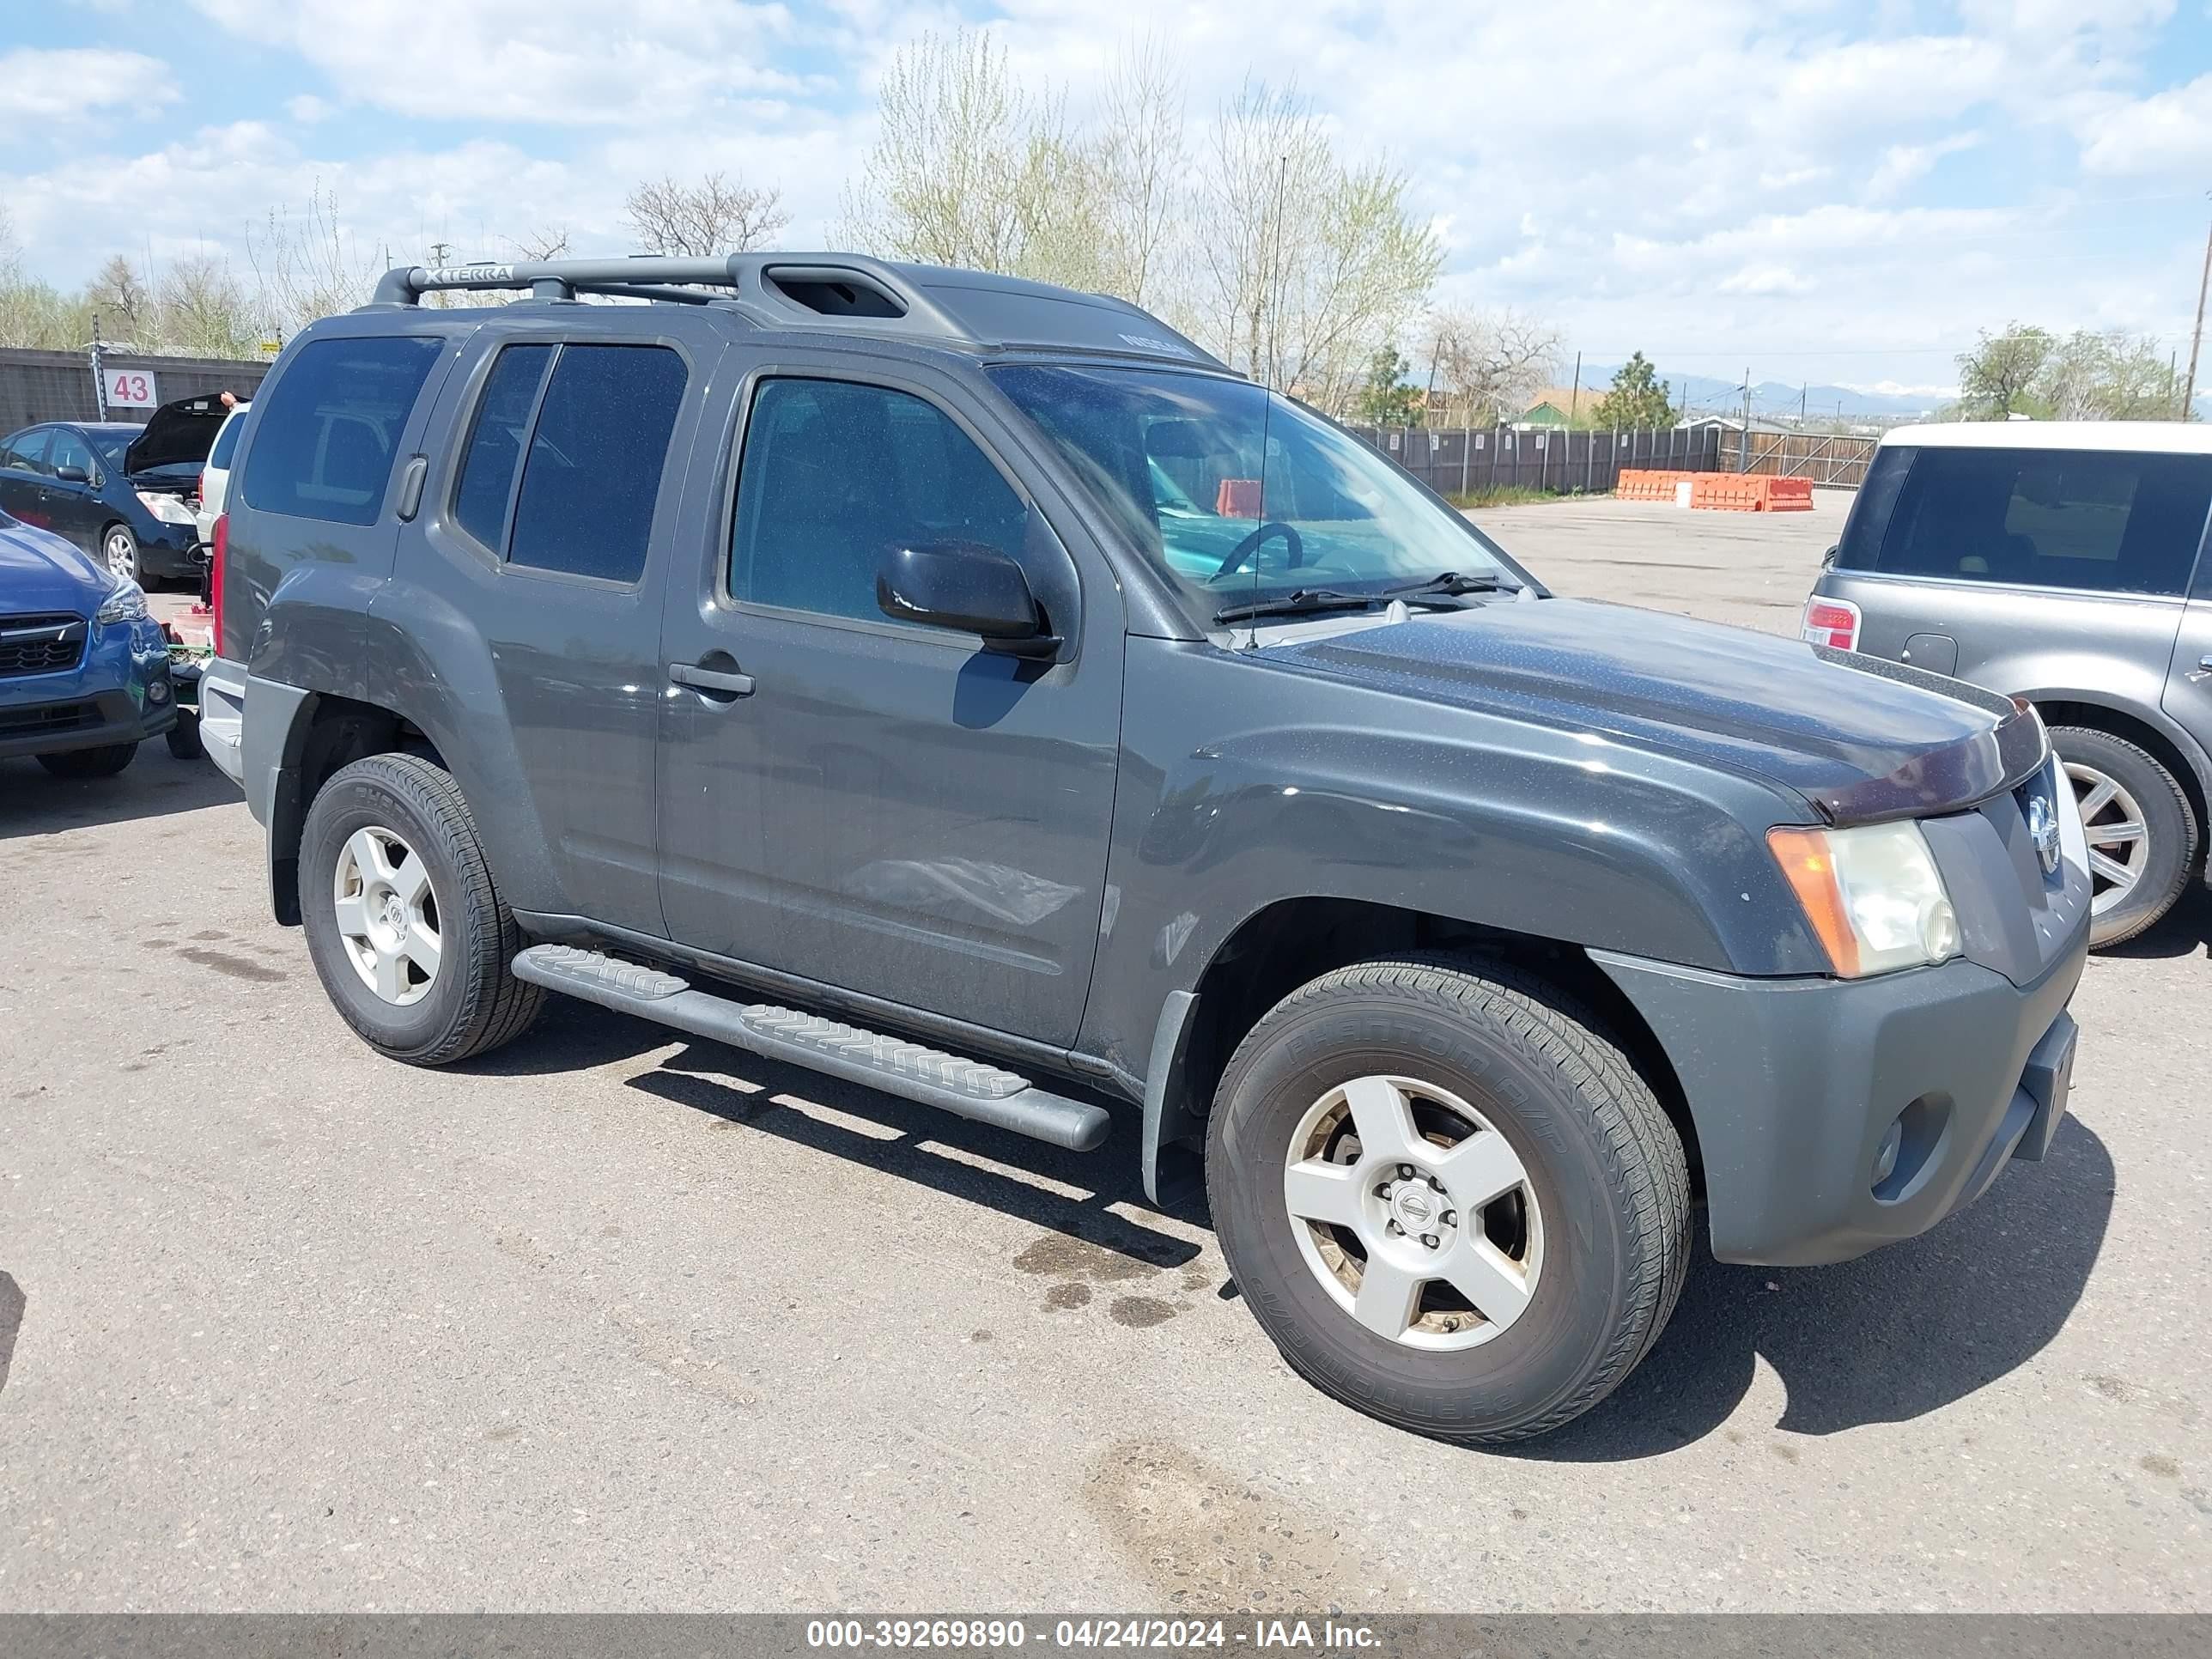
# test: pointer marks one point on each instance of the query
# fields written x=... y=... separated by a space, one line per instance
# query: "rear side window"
x=326 y=441
x=27 y=450
x=495 y=441
x=2101 y=521
x=225 y=441
x=833 y=473
x=591 y=472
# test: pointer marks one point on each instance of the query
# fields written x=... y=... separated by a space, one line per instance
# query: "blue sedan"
x=84 y=670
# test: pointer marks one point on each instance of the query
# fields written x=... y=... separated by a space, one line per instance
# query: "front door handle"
x=727 y=681
x=2204 y=667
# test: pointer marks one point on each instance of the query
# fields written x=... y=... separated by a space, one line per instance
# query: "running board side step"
x=968 y=1088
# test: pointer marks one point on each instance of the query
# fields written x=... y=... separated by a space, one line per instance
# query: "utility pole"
x=98 y=379
x=1743 y=449
x=2196 y=338
x=1575 y=397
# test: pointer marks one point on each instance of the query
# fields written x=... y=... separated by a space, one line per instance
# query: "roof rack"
x=772 y=288
x=850 y=292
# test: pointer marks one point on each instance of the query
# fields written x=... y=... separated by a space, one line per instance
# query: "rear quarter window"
x=330 y=427
x=2093 y=520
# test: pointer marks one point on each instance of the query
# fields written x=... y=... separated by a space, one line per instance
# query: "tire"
x=2146 y=799
x=102 y=762
x=183 y=738
x=398 y=825
x=119 y=554
x=1596 y=1236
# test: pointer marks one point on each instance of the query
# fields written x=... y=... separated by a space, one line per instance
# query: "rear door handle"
x=711 y=679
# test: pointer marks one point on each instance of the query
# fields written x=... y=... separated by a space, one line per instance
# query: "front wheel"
x=1450 y=1201
x=104 y=761
x=118 y=551
x=411 y=940
x=2138 y=821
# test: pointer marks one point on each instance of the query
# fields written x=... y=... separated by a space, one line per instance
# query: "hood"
x=39 y=571
x=176 y=434
x=1860 y=737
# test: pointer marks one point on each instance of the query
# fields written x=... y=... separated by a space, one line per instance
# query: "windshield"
x=1241 y=494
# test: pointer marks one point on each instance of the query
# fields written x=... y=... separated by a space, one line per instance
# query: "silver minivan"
x=2061 y=562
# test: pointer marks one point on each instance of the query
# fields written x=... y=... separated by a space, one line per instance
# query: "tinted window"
x=595 y=460
x=324 y=447
x=494 y=450
x=27 y=450
x=69 y=450
x=225 y=441
x=833 y=474
x=2100 y=520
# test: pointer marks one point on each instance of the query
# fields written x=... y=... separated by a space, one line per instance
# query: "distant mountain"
x=1709 y=395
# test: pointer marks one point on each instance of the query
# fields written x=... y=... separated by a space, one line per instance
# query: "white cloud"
x=1766 y=279
x=1902 y=165
x=2169 y=133
x=73 y=83
x=307 y=109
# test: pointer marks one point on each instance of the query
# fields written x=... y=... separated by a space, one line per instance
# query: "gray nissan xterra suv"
x=971 y=687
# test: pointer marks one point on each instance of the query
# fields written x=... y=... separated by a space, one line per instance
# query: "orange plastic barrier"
x=1648 y=485
x=1751 y=492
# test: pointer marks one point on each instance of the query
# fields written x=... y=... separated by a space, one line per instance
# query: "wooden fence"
x=58 y=385
x=1459 y=461
x=1826 y=459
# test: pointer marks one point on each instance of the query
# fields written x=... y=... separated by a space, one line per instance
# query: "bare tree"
x=716 y=215
x=308 y=264
x=203 y=310
x=120 y=296
x=546 y=242
x=1488 y=364
x=969 y=169
x=1137 y=165
x=1310 y=265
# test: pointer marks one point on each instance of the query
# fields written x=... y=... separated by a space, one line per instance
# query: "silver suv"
x=2063 y=562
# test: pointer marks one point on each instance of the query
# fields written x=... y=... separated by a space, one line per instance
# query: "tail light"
x=1833 y=623
x=215 y=578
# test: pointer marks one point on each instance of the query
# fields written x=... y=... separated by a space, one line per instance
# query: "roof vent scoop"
x=831 y=292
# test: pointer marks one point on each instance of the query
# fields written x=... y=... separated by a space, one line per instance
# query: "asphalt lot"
x=615 y=1319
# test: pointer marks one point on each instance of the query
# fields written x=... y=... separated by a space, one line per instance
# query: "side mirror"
x=1828 y=558
x=72 y=475
x=969 y=585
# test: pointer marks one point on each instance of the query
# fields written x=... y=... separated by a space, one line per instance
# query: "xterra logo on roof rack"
x=471 y=273
x=1146 y=343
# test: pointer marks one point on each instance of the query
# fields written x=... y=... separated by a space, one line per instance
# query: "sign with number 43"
x=130 y=388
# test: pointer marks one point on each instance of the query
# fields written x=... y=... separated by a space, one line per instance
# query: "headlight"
x=167 y=509
x=1872 y=894
x=127 y=604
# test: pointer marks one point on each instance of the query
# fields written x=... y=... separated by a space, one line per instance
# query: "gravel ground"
x=614 y=1320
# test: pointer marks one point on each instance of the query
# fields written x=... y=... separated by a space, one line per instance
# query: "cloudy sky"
x=1837 y=192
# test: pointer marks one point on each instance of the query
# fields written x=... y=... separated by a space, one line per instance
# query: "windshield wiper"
x=1295 y=603
x=1451 y=582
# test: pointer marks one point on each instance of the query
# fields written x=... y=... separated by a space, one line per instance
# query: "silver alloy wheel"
x=2113 y=824
x=122 y=554
x=1414 y=1212
x=387 y=915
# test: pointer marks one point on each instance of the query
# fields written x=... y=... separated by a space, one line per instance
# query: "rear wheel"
x=2141 y=831
x=102 y=762
x=1451 y=1202
x=411 y=940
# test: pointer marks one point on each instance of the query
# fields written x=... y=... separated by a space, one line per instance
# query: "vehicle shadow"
x=34 y=802
x=1009 y=1173
x=1889 y=1337
x=1893 y=1336
x=2184 y=931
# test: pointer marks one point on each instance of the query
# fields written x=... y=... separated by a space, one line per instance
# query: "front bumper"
x=1794 y=1085
x=120 y=692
